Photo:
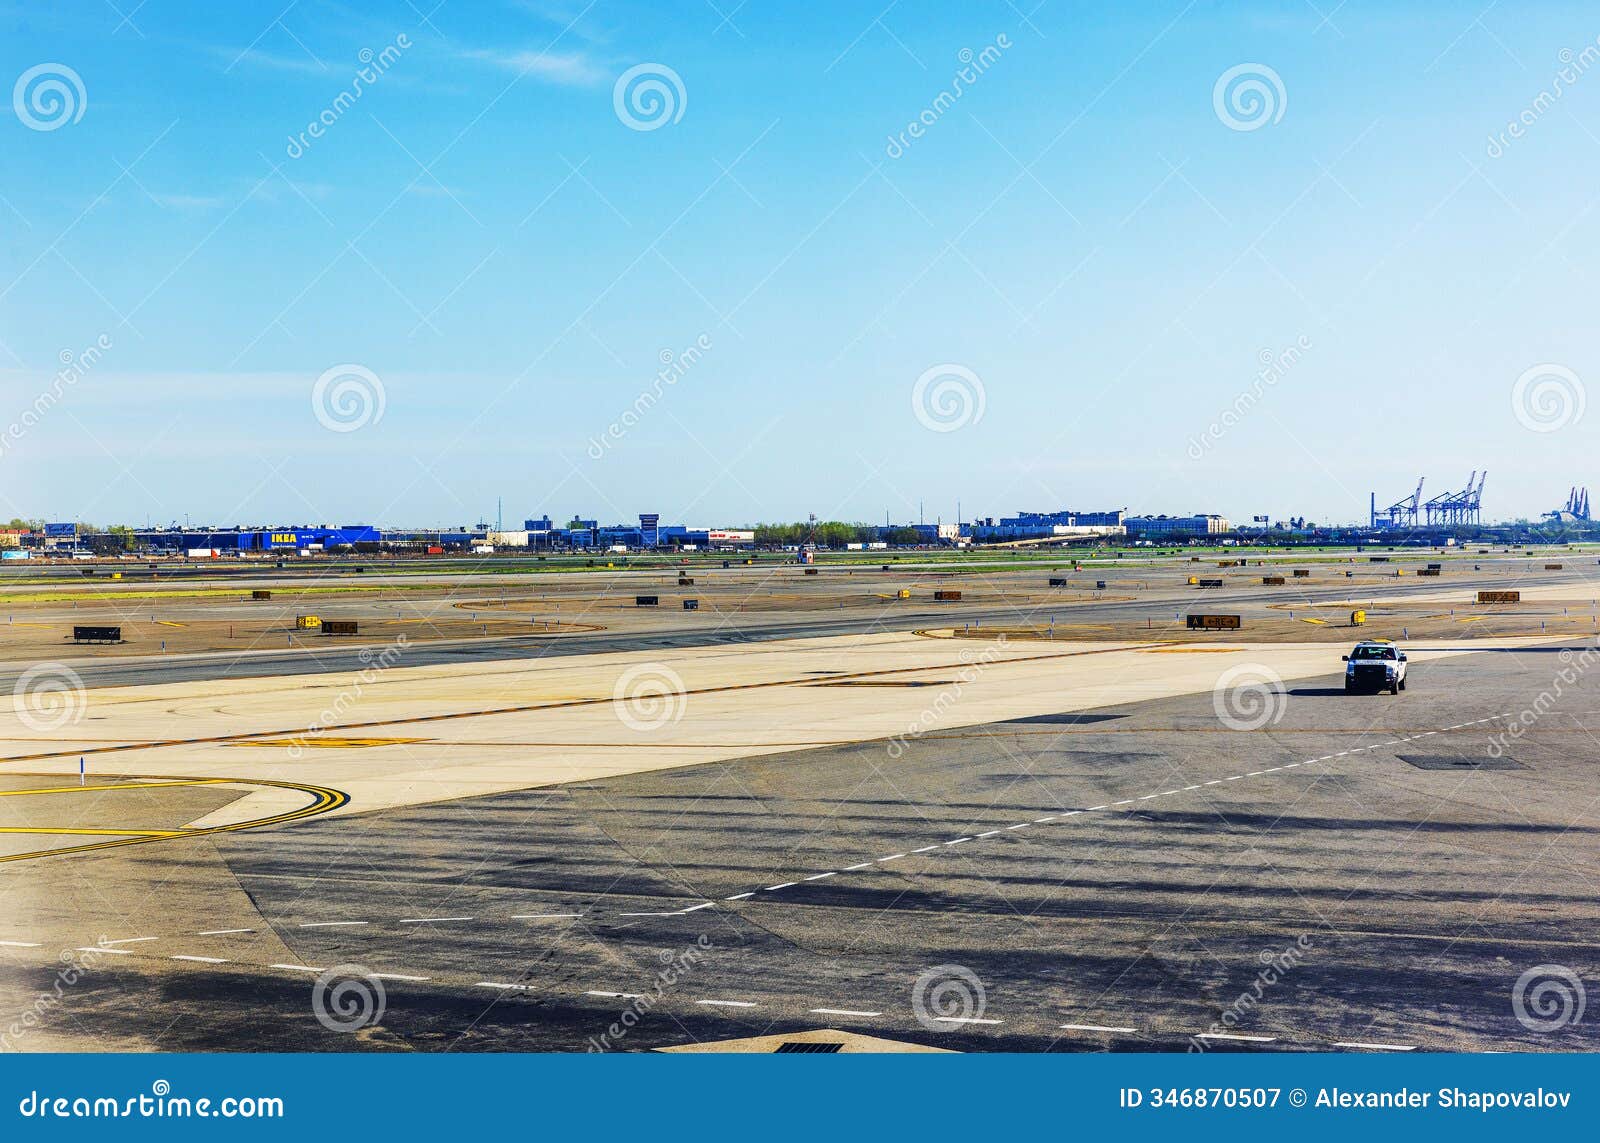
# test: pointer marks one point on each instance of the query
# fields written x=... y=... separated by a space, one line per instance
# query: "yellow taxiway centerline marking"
x=96 y=832
x=111 y=786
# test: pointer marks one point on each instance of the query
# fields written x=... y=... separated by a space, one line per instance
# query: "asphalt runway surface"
x=1360 y=873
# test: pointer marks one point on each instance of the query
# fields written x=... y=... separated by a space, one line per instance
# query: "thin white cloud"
x=572 y=69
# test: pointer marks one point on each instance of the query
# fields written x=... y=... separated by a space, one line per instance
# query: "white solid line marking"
x=729 y=1003
x=430 y=920
x=819 y=876
x=295 y=967
x=331 y=924
x=785 y=885
x=1095 y=1028
x=843 y=1012
x=1231 y=1036
x=94 y=949
x=740 y=896
x=397 y=976
x=1375 y=1047
x=20 y=944
x=131 y=941
x=963 y=1020
x=202 y=959
x=541 y=916
x=221 y=932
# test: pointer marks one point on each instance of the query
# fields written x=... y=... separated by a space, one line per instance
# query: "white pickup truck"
x=1375 y=665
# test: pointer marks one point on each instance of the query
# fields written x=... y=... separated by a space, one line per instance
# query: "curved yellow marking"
x=324 y=799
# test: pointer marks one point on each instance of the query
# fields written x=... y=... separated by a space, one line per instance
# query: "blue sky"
x=1079 y=243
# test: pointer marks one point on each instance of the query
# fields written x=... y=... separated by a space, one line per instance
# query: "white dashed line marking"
x=964 y=1020
x=958 y=841
x=1232 y=1036
x=785 y=885
x=20 y=944
x=1019 y=825
x=990 y=833
x=926 y=848
x=1095 y=1028
x=666 y=914
x=430 y=920
x=497 y=984
x=222 y=932
x=853 y=868
x=332 y=924
x=819 y=876
x=541 y=916
x=131 y=941
x=95 y=949
x=202 y=959
x=295 y=967
x=695 y=908
x=616 y=995
x=843 y=1012
x=1375 y=1047
x=728 y=1003
x=740 y=896
x=891 y=857
x=397 y=976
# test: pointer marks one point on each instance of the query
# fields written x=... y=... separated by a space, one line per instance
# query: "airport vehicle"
x=1375 y=665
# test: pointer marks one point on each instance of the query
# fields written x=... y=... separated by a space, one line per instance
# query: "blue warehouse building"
x=283 y=538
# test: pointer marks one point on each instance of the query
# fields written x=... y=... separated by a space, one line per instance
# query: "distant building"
x=1042 y=525
x=1198 y=525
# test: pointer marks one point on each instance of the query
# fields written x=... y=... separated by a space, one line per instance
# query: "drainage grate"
x=813 y=1048
x=1461 y=762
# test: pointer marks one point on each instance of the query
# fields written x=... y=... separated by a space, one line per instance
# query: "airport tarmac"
x=972 y=843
